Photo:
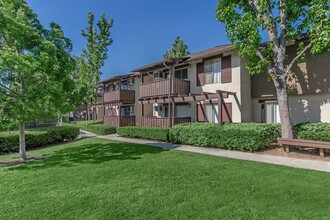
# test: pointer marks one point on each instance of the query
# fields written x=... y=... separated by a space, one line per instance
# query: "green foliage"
x=244 y=137
x=313 y=131
x=102 y=129
x=246 y=21
x=93 y=56
x=159 y=134
x=9 y=140
x=83 y=125
x=179 y=49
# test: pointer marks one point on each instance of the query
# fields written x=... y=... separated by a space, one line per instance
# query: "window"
x=211 y=113
x=127 y=110
x=124 y=85
x=112 y=111
x=181 y=74
x=270 y=112
x=212 y=69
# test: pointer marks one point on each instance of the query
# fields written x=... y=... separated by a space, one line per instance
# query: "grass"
x=101 y=179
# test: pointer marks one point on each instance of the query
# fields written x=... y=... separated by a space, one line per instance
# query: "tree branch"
x=271 y=28
x=297 y=57
x=8 y=89
x=283 y=16
x=269 y=68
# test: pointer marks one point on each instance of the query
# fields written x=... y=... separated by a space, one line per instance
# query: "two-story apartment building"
x=214 y=86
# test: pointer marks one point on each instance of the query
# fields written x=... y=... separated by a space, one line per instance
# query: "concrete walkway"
x=291 y=162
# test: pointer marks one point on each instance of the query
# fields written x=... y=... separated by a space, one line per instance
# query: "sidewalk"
x=291 y=162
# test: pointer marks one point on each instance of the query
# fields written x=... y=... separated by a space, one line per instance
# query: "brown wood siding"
x=200 y=113
x=226 y=69
x=200 y=76
x=162 y=122
x=161 y=88
x=119 y=121
x=125 y=96
x=227 y=112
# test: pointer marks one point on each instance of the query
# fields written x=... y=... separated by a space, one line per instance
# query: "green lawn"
x=101 y=179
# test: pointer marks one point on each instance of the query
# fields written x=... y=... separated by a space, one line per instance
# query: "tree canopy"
x=283 y=22
x=94 y=54
x=35 y=64
x=179 y=49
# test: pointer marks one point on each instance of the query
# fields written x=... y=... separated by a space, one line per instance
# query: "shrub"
x=159 y=134
x=38 y=137
x=313 y=131
x=83 y=125
x=242 y=136
x=102 y=129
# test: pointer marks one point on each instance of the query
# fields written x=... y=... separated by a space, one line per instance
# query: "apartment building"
x=214 y=86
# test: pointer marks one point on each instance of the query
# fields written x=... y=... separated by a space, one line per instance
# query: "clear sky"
x=143 y=29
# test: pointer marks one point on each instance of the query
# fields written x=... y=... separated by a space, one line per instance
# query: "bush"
x=159 y=134
x=83 y=125
x=102 y=129
x=242 y=136
x=34 y=138
x=313 y=131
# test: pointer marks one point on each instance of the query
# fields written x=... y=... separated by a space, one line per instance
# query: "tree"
x=283 y=21
x=92 y=59
x=27 y=65
x=64 y=89
x=179 y=49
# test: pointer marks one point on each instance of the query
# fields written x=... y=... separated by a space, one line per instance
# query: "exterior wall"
x=234 y=86
x=309 y=89
x=303 y=108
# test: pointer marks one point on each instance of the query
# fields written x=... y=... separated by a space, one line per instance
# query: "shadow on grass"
x=91 y=154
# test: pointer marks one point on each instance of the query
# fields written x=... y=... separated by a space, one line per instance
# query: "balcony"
x=124 y=96
x=162 y=122
x=119 y=121
x=161 y=88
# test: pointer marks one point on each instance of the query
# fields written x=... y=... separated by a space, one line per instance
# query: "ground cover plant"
x=101 y=179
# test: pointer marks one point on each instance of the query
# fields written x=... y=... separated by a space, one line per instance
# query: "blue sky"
x=143 y=29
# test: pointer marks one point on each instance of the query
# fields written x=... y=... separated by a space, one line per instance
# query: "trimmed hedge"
x=159 y=134
x=102 y=129
x=83 y=125
x=38 y=137
x=313 y=131
x=242 y=136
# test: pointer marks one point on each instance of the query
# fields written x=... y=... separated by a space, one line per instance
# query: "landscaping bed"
x=96 y=127
x=34 y=138
x=158 y=134
x=234 y=136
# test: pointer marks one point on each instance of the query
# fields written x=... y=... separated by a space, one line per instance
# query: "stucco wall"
x=234 y=86
x=303 y=108
x=310 y=77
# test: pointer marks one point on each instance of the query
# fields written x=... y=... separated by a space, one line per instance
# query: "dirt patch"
x=298 y=153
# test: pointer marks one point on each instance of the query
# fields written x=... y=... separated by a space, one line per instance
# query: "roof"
x=210 y=52
x=116 y=78
x=195 y=56
x=157 y=65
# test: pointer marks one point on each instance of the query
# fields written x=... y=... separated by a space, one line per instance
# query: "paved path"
x=291 y=162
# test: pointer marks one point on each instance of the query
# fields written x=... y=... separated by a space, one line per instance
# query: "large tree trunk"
x=22 y=148
x=283 y=104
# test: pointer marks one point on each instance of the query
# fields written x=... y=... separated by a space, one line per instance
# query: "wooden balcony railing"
x=161 y=88
x=125 y=96
x=119 y=121
x=162 y=122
